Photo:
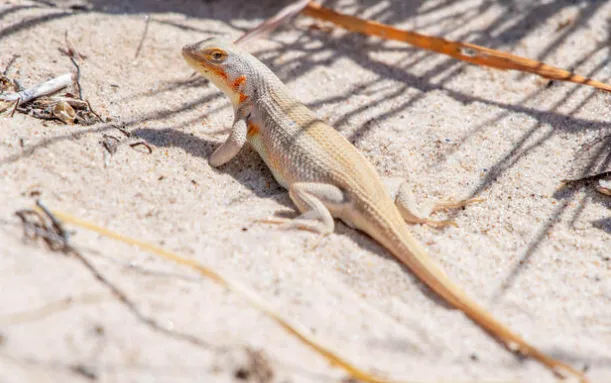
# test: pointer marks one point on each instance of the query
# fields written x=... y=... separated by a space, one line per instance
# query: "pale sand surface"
x=537 y=257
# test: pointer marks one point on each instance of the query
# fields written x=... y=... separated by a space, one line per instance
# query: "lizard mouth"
x=193 y=57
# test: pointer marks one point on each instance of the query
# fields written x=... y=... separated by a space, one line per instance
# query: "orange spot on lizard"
x=221 y=73
x=238 y=81
x=252 y=129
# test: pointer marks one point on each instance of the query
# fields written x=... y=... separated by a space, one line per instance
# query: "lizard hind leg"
x=313 y=201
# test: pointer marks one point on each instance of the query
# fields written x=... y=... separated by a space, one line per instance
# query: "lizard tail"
x=412 y=254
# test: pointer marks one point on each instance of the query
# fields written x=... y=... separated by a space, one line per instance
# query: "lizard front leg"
x=313 y=201
x=231 y=146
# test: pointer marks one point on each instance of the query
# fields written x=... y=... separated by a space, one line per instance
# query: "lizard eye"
x=217 y=56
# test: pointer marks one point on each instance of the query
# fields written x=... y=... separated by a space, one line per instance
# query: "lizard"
x=327 y=177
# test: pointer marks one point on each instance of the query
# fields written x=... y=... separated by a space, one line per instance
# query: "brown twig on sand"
x=142 y=143
x=472 y=53
x=147 y=20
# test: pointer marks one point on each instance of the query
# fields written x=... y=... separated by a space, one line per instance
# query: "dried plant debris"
x=6 y=85
x=254 y=366
x=603 y=185
x=43 y=225
x=111 y=144
x=40 y=101
x=64 y=108
x=85 y=371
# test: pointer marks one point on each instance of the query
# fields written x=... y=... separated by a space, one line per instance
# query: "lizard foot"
x=449 y=205
x=297 y=224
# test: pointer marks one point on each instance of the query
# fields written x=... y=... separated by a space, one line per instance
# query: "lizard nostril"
x=190 y=49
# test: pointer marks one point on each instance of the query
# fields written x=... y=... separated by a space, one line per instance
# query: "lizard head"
x=221 y=62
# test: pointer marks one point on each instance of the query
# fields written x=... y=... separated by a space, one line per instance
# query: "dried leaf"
x=63 y=111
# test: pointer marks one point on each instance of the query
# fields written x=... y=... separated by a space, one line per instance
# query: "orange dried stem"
x=472 y=53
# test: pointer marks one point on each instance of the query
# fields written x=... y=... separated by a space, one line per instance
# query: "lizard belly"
x=256 y=141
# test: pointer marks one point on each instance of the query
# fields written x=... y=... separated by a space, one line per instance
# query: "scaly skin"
x=326 y=175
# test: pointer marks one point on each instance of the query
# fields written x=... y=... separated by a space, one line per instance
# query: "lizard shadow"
x=247 y=167
x=603 y=224
x=366 y=242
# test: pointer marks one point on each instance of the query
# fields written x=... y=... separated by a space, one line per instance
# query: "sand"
x=535 y=255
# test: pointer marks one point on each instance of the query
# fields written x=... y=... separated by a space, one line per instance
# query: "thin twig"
x=73 y=55
x=147 y=20
x=142 y=143
x=93 y=111
x=36 y=225
x=43 y=89
x=472 y=53
x=122 y=129
x=56 y=225
x=10 y=64
x=15 y=106
x=77 y=78
x=70 y=51
x=283 y=16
